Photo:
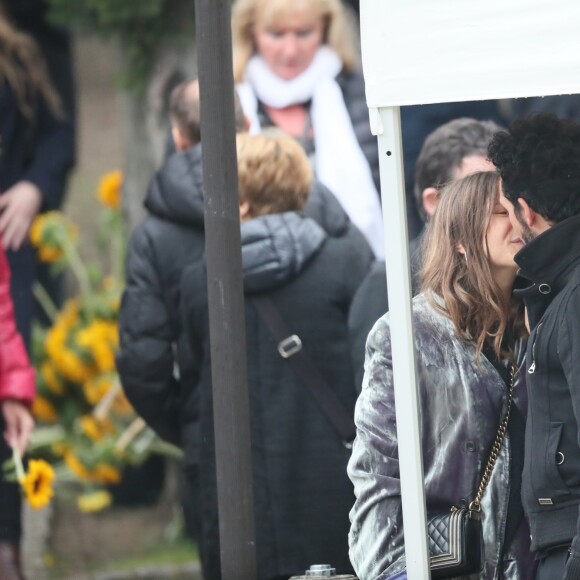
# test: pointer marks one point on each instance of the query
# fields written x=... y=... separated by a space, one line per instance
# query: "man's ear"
x=430 y=200
x=535 y=221
x=528 y=215
x=180 y=142
x=245 y=211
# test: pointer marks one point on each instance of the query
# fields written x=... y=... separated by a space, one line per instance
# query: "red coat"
x=16 y=374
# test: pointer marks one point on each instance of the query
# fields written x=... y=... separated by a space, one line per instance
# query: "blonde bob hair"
x=462 y=285
x=338 y=30
x=273 y=172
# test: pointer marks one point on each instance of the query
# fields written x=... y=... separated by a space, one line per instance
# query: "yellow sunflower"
x=48 y=234
x=49 y=255
x=37 y=483
x=110 y=189
x=43 y=410
x=51 y=378
x=76 y=466
x=101 y=338
x=94 y=502
x=121 y=405
x=96 y=389
x=106 y=473
x=95 y=429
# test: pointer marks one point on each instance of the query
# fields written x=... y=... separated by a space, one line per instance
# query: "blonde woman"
x=296 y=68
x=468 y=336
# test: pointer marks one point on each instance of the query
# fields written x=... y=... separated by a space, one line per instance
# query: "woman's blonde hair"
x=273 y=172
x=472 y=299
x=338 y=30
x=23 y=68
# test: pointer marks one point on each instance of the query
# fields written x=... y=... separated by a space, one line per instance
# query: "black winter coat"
x=551 y=476
x=41 y=152
x=156 y=367
x=371 y=302
x=301 y=492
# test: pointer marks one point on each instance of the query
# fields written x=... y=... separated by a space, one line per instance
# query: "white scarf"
x=339 y=162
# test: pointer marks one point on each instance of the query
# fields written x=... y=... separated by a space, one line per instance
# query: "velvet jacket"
x=462 y=403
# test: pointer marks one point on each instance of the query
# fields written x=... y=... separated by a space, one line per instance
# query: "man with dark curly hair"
x=539 y=162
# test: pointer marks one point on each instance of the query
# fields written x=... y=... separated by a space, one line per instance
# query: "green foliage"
x=141 y=27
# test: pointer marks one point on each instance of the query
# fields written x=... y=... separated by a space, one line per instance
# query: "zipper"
x=532 y=368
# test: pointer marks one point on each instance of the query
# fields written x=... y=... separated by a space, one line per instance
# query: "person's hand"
x=19 y=206
x=19 y=424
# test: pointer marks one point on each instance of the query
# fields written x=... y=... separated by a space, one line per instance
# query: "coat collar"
x=547 y=262
x=549 y=256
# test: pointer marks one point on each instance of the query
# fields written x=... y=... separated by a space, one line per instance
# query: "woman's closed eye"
x=275 y=32
x=304 y=32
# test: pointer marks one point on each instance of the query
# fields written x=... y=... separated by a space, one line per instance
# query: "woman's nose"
x=290 y=46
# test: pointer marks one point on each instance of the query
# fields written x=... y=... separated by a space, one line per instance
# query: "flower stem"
x=45 y=301
x=77 y=267
x=20 y=473
x=117 y=247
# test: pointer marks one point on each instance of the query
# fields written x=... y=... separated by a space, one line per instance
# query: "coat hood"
x=276 y=248
x=323 y=207
x=176 y=194
x=176 y=191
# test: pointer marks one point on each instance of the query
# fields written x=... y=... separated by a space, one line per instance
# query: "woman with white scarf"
x=296 y=68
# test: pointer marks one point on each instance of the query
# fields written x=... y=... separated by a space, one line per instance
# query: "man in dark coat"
x=539 y=163
x=452 y=151
x=157 y=369
x=302 y=495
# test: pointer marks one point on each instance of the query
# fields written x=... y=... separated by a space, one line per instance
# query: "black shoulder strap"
x=290 y=348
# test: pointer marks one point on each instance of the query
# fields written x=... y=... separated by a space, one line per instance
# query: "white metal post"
x=386 y=125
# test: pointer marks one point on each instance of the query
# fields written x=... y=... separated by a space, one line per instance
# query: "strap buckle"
x=289 y=346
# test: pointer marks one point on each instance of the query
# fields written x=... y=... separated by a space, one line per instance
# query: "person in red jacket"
x=17 y=391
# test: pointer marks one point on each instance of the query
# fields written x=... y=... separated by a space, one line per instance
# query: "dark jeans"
x=552 y=563
x=10 y=499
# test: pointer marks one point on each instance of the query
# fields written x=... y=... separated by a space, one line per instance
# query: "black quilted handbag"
x=455 y=543
x=455 y=537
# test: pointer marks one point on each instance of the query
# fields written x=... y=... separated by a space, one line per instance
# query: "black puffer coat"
x=157 y=369
x=301 y=493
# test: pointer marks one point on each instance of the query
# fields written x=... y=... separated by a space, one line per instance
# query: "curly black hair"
x=538 y=159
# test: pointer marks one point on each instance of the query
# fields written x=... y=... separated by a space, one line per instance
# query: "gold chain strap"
x=475 y=505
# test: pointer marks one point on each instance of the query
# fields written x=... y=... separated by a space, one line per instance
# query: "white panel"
x=430 y=51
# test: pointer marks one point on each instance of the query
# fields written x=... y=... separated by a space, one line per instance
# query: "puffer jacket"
x=461 y=403
x=16 y=374
x=157 y=369
x=301 y=492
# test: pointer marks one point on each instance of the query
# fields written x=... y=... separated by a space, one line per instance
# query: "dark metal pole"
x=225 y=290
